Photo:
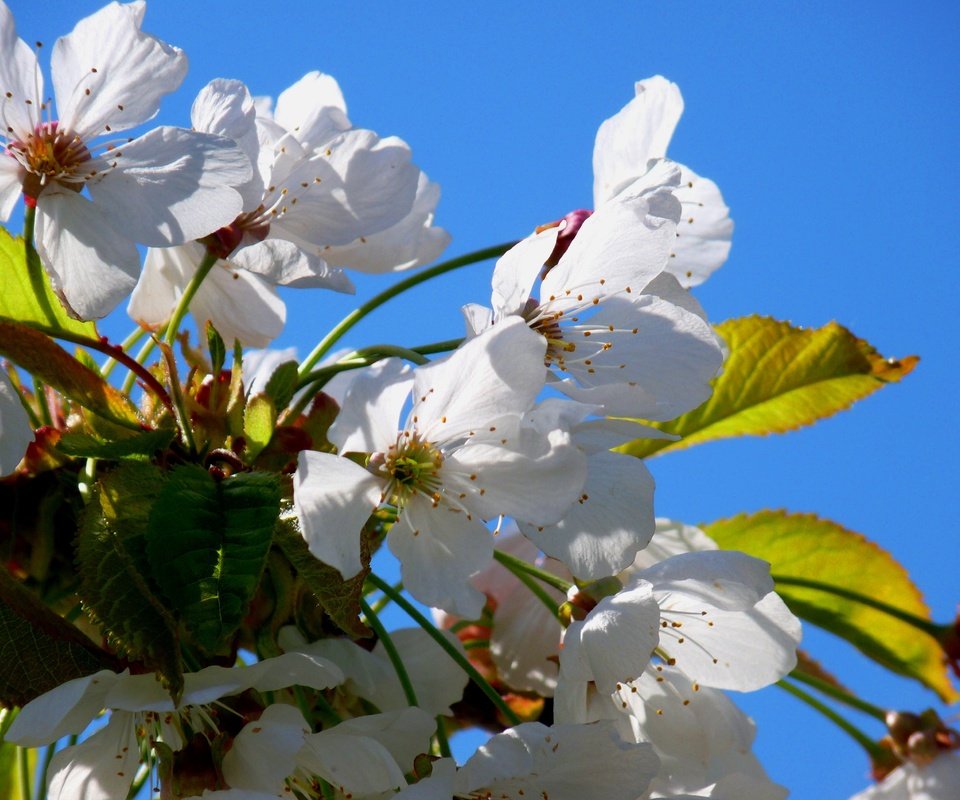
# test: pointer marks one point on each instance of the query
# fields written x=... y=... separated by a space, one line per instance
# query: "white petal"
x=269 y=675
x=499 y=372
x=369 y=417
x=281 y=262
x=640 y=131
x=16 y=432
x=437 y=679
x=166 y=272
x=438 y=786
x=616 y=639
x=91 y=266
x=333 y=498
x=720 y=578
x=108 y=72
x=517 y=270
x=355 y=765
x=621 y=245
x=172 y=185
x=564 y=762
x=11 y=186
x=67 y=709
x=405 y=733
x=704 y=233
x=477 y=318
x=264 y=753
x=225 y=108
x=99 y=768
x=412 y=242
x=671 y=539
x=439 y=549
x=601 y=533
x=523 y=475
x=20 y=76
x=313 y=109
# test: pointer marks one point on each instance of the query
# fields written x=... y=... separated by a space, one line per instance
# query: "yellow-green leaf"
x=259 y=421
x=778 y=378
x=27 y=296
x=39 y=355
x=803 y=549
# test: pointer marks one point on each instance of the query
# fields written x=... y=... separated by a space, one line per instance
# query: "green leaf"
x=339 y=598
x=259 y=421
x=804 y=548
x=115 y=583
x=778 y=378
x=43 y=358
x=282 y=384
x=29 y=299
x=38 y=649
x=138 y=446
x=10 y=778
x=207 y=542
x=218 y=351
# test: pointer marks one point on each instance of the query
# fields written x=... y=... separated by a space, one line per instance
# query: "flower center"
x=50 y=155
x=413 y=466
x=548 y=326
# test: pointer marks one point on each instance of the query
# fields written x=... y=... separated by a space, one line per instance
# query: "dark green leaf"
x=283 y=384
x=141 y=445
x=207 y=543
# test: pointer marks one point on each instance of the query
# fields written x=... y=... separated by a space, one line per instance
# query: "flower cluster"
x=217 y=538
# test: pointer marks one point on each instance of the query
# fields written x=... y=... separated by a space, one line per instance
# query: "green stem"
x=173 y=327
x=874 y=750
x=837 y=693
x=448 y=648
x=443 y=743
x=326 y=710
x=392 y=653
x=34 y=268
x=384 y=601
x=529 y=581
x=40 y=392
x=931 y=628
x=135 y=336
x=141 y=358
x=48 y=753
x=516 y=565
x=23 y=772
x=328 y=341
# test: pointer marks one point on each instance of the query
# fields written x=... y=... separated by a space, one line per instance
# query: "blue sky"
x=831 y=129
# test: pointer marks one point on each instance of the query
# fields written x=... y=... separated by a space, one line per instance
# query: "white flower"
x=625 y=145
x=938 y=780
x=359 y=757
x=103 y=766
x=461 y=456
x=437 y=680
x=624 y=334
x=562 y=762
x=165 y=187
x=16 y=432
x=713 y=615
x=325 y=195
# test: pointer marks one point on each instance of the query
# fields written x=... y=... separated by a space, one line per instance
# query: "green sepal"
x=339 y=598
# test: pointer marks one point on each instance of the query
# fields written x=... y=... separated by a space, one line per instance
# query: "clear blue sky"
x=831 y=129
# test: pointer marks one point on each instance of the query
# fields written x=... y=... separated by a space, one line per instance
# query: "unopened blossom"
x=325 y=195
x=98 y=194
x=16 y=432
x=103 y=766
x=461 y=456
x=562 y=762
x=619 y=330
x=626 y=144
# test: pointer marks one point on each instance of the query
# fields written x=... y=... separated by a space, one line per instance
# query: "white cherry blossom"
x=562 y=762
x=625 y=145
x=620 y=332
x=462 y=456
x=325 y=195
x=103 y=766
x=97 y=199
x=938 y=780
